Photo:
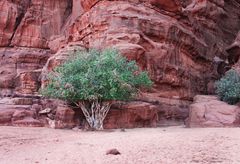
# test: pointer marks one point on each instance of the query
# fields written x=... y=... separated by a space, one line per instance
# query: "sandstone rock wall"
x=176 y=41
x=32 y=23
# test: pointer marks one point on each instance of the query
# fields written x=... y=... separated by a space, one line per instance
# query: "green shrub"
x=228 y=87
x=92 y=80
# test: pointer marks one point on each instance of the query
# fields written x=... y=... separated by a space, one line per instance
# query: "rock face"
x=32 y=23
x=176 y=41
x=18 y=112
x=64 y=118
x=176 y=44
x=208 y=111
x=234 y=53
x=132 y=115
x=20 y=69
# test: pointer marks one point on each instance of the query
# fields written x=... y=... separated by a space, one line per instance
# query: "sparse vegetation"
x=93 y=80
x=228 y=87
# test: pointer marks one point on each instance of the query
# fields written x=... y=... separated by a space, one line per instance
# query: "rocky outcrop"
x=20 y=69
x=32 y=23
x=176 y=43
x=184 y=45
x=36 y=113
x=234 y=53
x=132 y=115
x=17 y=112
x=209 y=111
x=55 y=114
x=64 y=118
x=11 y=14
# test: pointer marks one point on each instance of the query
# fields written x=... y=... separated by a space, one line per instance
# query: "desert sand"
x=172 y=145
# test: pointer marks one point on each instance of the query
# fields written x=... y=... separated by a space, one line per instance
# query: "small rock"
x=36 y=108
x=113 y=152
x=123 y=130
x=51 y=123
x=76 y=128
x=45 y=111
x=51 y=116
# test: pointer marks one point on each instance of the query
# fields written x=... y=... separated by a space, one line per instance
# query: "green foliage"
x=96 y=75
x=228 y=87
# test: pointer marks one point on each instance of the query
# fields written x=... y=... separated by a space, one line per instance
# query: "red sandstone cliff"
x=184 y=45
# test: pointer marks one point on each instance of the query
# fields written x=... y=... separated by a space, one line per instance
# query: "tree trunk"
x=95 y=113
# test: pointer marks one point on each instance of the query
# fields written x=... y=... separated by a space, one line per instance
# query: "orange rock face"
x=177 y=54
x=32 y=23
x=176 y=41
x=11 y=14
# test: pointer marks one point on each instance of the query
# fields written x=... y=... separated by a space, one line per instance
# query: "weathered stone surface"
x=17 y=112
x=19 y=70
x=22 y=101
x=28 y=122
x=32 y=23
x=172 y=115
x=234 y=53
x=6 y=116
x=21 y=114
x=131 y=116
x=208 y=111
x=177 y=50
x=11 y=14
x=64 y=118
x=175 y=41
x=10 y=112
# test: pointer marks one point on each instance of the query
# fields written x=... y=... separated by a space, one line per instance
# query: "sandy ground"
x=137 y=146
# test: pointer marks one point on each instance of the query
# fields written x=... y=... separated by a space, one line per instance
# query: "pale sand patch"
x=137 y=146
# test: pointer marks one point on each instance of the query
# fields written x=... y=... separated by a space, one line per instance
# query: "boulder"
x=132 y=115
x=64 y=118
x=21 y=114
x=45 y=111
x=6 y=116
x=11 y=114
x=209 y=111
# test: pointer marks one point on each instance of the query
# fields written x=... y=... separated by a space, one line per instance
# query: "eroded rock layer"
x=184 y=45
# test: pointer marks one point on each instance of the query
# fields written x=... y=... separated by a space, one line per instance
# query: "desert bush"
x=93 y=80
x=228 y=87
